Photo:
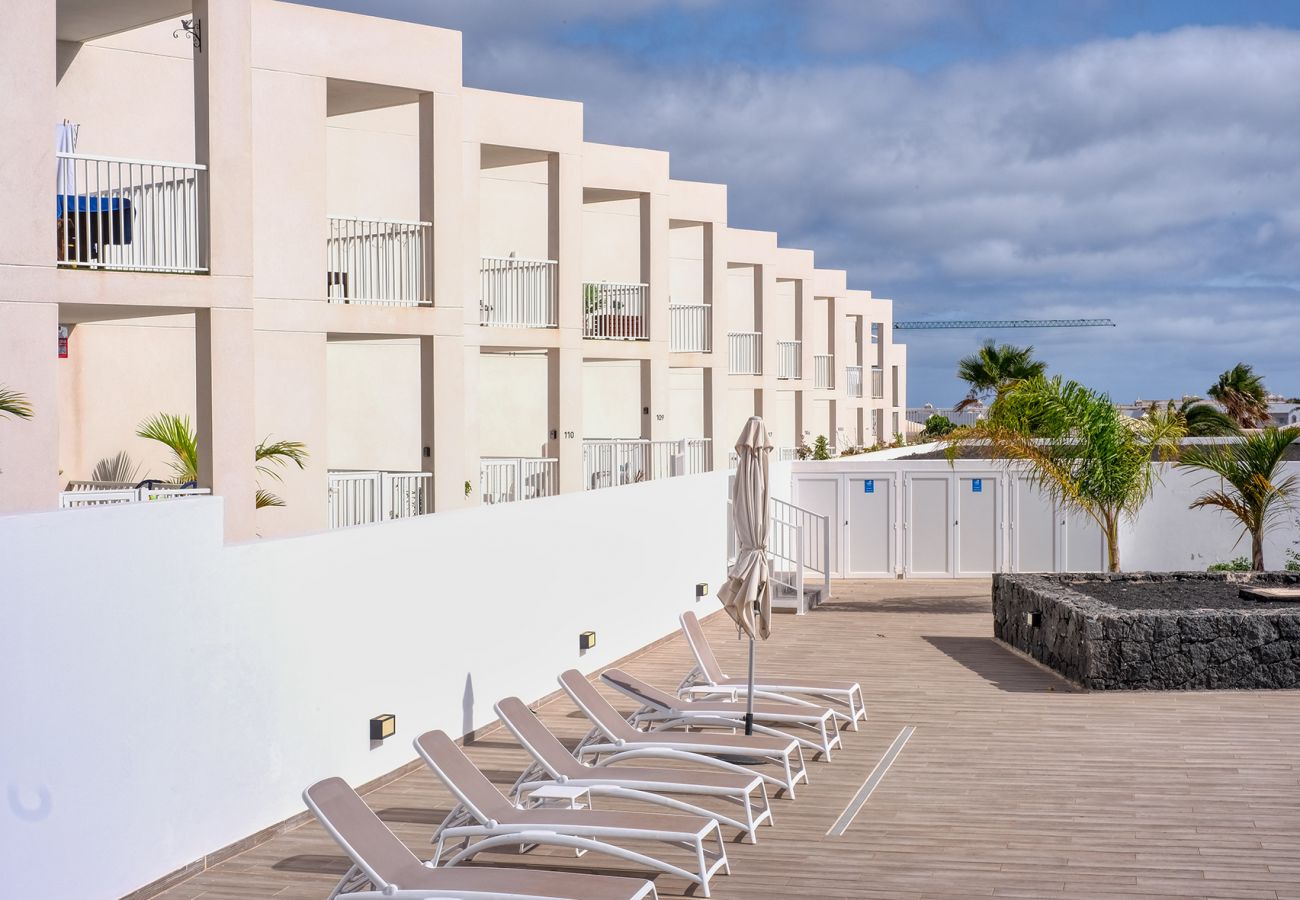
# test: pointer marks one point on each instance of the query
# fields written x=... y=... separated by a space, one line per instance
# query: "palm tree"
x=1253 y=487
x=1207 y=420
x=1077 y=448
x=994 y=368
x=14 y=403
x=177 y=434
x=1241 y=393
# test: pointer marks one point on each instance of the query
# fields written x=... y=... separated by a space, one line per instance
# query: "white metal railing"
x=615 y=311
x=745 y=352
x=785 y=454
x=517 y=293
x=853 y=381
x=378 y=261
x=90 y=493
x=506 y=479
x=609 y=462
x=824 y=371
x=799 y=544
x=690 y=328
x=877 y=383
x=789 y=359
x=360 y=498
x=919 y=415
x=131 y=214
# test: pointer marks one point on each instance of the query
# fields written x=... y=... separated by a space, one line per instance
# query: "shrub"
x=1240 y=564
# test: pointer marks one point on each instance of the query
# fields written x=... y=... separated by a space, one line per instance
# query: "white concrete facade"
x=354 y=208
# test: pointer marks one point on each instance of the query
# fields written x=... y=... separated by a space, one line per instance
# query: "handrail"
x=135 y=162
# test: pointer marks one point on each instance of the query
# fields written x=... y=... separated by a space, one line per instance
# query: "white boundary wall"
x=165 y=695
x=1166 y=535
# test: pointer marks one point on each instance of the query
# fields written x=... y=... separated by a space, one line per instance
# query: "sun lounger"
x=484 y=819
x=660 y=710
x=554 y=764
x=707 y=677
x=614 y=735
x=384 y=869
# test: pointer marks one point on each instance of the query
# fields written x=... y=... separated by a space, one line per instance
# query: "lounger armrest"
x=709 y=692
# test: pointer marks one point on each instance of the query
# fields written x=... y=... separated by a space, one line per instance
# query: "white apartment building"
x=237 y=222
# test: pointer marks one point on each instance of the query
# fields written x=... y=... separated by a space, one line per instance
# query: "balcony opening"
x=128 y=194
x=615 y=289
x=516 y=462
x=378 y=249
x=744 y=321
x=377 y=469
x=518 y=269
x=789 y=329
x=690 y=287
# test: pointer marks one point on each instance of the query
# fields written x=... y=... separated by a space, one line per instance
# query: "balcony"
x=745 y=352
x=853 y=381
x=690 y=328
x=615 y=311
x=517 y=293
x=877 y=383
x=824 y=372
x=789 y=360
x=610 y=462
x=381 y=262
x=363 y=498
x=81 y=494
x=129 y=214
x=508 y=479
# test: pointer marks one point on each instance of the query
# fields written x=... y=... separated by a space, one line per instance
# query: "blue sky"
x=968 y=158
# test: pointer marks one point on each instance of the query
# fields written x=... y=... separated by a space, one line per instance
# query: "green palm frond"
x=176 y=433
x=265 y=499
x=1242 y=394
x=282 y=453
x=1206 y=420
x=995 y=367
x=14 y=403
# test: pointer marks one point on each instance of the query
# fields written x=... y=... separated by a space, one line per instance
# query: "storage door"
x=979 y=544
x=1085 y=546
x=822 y=496
x=928 y=526
x=870 y=535
x=1033 y=529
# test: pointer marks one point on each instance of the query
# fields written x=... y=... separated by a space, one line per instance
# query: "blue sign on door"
x=869 y=486
x=977 y=485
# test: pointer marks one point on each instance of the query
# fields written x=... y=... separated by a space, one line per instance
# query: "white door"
x=1034 y=536
x=979 y=532
x=870 y=536
x=928 y=526
x=822 y=496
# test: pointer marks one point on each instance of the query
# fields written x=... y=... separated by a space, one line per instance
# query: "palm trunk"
x=1257 y=551
x=1112 y=542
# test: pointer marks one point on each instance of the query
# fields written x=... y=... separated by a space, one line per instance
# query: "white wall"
x=686 y=263
x=740 y=299
x=512 y=404
x=372 y=391
x=611 y=398
x=611 y=240
x=167 y=695
x=373 y=163
x=685 y=403
x=514 y=210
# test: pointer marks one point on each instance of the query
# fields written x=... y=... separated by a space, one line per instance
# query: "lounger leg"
x=704 y=866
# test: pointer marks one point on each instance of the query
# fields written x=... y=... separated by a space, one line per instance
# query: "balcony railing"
x=617 y=311
x=853 y=381
x=877 y=383
x=361 y=498
x=98 y=493
x=824 y=372
x=745 y=352
x=129 y=214
x=690 y=327
x=507 y=479
x=382 y=262
x=517 y=293
x=609 y=462
x=789 y=359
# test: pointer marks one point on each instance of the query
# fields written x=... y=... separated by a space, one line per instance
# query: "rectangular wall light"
x=586 y=640
x=384 y=726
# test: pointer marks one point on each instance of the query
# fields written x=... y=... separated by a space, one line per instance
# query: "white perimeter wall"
x=165 y=695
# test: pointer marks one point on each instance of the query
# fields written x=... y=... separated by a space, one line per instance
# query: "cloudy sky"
x=968 y=158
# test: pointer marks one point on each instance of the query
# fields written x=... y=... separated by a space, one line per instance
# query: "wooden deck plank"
x=1014 y=784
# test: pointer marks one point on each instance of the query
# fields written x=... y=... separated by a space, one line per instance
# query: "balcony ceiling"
x=342 y=97
x=85 y=20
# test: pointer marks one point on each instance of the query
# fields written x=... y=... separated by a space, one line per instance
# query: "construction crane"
x=930 y=325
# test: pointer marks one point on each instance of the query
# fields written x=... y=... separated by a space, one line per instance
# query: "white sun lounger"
x=614 y=735
x=553 y=764
x=484 y=819
x=384 y=869
x=660 y=710
x=708 y=678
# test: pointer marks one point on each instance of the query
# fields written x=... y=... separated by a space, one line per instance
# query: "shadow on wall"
x=998 y=665
x=467 y=705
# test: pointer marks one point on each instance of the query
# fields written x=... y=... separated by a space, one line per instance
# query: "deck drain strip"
x=877 y=775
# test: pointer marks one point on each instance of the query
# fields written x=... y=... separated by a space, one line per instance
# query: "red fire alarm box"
x=63 y=341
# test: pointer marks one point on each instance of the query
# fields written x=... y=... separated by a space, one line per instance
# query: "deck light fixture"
x=384 y=726
x=586 y=640
x=701 y=590
x=1033 y=619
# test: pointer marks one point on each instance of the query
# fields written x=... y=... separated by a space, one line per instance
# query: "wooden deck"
x=1013 y=784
